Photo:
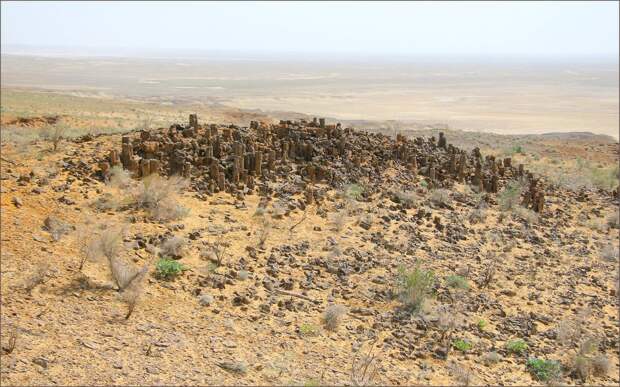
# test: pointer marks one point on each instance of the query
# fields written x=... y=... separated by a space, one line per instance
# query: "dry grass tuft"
x=333 y=316
x=159 y=195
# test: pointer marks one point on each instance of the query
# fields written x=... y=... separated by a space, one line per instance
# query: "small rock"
x=40 y=361
x=205 y=299
x=17 y=202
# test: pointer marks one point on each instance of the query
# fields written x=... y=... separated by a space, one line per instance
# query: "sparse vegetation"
x=408 y=198
x=216 y=251
x=264 y=229
x=491 y=358
x=609 y=253
x=544 y=370
x=168 y=269
x=517 y=346
x=307 y=329
x=462 y=345
x=173 y=247
x=364 y=369
x=119 y=177
x=54 y=134
x=510 y=196
x=339 y=220
x=333 y=316
x=414 y=287
x=38 y=276
x=158 y=196
x=440 y=197
x=457 y=282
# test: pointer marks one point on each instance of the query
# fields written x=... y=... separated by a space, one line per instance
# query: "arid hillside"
x=303 y=252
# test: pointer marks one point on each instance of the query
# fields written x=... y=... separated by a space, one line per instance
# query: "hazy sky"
x=528 y=28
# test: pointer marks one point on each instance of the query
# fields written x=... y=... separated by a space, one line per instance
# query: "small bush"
x=440 y=197
x=462 y=375
x=510 y=196
x=414 y=287
x=544 y=370
x=516 y=346
x=457 y=282
x=54 y=134
x=172 y=247
x=354 y=191
x=332 y=316
x=529 y=216
x=407 y=198
x=462 y=345
x=338 y=220
x=609 y=253
x=308 y=330
x=119 y=177
x=168 y=268
x=264 y=230
x=132 y=292
x=491 y=358
x=601 y=365
x=481 y=324
x=478 y=215
x=159 y=197
x=37 y=277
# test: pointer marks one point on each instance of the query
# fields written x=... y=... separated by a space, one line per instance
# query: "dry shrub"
x=133 y=291
x=364 y=369
x=338 y=220
x=613 y=219
x=477 y=215
x=596 y=225
x=38 y=276
x=172 y=247
x=119 y=177
x=601 y=365
x=159 y=195
x=529 y=216
x=54 y=134
x=609 y=253
x=462 y=375
x=408 y=198
x=333 y=315
x=440 y=197
x=263 y=231
x=571 y=330
x=488 y=270
x=215 y=251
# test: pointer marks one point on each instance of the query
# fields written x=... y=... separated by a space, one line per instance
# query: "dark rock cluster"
x=235 y=159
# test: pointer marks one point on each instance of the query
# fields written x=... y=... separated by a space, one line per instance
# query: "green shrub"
x=457 y=282
x=544 y=370
x=510 y=196
x=414 y=287
x=168 y=268
x=308 y=329
x=462 y=345
x=516 y=346
x=354 y=191
x=481 y=324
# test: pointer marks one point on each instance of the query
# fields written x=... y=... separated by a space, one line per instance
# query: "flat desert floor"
x=517 y=97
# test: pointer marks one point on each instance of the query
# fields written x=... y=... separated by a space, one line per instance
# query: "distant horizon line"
x=199 y=53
